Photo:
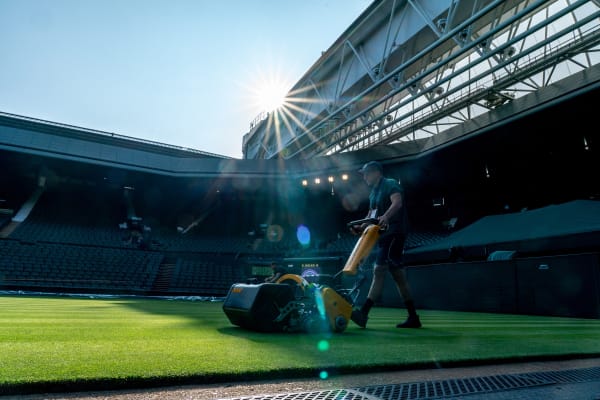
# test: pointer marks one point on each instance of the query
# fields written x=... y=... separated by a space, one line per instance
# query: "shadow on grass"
x=196 y=312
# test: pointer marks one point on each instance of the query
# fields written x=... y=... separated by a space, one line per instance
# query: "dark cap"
x=371 y=166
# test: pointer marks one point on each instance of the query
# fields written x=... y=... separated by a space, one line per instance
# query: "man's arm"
x=396 y=199
x=355 y=230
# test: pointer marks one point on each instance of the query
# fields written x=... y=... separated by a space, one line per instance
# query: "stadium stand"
x=74 y=214
x=38 y=266
x=71 y=241
x=175 y=242
x=74 y=240
x=209 y=276
x=4 y=220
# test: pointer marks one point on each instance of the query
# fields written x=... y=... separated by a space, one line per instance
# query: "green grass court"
x=52 y=343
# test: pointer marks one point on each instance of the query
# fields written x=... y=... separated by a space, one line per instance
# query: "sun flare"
x=270 y=95
x=269 y=92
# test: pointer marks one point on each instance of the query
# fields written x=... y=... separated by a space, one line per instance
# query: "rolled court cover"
x=558 y=227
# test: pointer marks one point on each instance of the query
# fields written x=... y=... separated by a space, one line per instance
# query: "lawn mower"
x=292 y=304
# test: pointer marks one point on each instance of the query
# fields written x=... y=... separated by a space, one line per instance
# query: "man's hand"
x=357 y=230
x=383 y=221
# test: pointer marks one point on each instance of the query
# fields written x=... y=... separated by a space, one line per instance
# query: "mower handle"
x=362 y=221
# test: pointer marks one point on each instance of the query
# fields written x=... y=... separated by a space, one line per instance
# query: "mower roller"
x=292 y=304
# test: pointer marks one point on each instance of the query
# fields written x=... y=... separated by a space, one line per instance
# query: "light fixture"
x=344 y=177
x=441 y=24
x=330 y=179
x=464 y=35
x=487 y=172
x=507 y=52
x=586 y=146
x=495 y=99
x=317 y=181
x=304 y=182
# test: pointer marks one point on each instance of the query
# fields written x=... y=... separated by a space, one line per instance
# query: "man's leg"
x=395 y=255
x=413 y=320
x=361 y=316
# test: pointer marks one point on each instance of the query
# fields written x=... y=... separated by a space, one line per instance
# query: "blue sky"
x=182 y=72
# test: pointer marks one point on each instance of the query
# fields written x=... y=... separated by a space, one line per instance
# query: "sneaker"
x=359 y=318
x=412 y=321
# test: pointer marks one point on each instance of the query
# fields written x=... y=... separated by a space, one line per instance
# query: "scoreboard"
x=311 y=266
x=303 y=266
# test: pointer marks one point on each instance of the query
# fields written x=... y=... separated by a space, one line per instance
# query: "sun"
x=270 y=94
x=268 y=90
x=267 y=87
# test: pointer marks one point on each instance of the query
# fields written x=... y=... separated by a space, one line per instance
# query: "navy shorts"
x=390 y=250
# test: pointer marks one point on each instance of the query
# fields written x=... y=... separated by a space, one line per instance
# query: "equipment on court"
x=256 y=307
x=363 y=247
x=292 y=304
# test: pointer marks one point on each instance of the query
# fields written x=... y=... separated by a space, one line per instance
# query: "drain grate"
x=339 y=394
x=443 y=388
x=451 y=387
x=568 y=376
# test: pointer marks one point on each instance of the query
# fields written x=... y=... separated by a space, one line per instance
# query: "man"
x=386 y=204
x=277 y=271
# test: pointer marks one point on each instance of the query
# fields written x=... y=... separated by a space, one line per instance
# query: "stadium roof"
x=406 y=70
x=63 y=142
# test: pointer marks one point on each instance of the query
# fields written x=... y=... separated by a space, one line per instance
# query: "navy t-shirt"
x=379 y=199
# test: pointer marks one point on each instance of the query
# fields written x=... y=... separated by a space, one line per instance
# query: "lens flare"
x=274 y=233
x=320 y=304
x=323 y=345
x=323 y=375
x=303 y=235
